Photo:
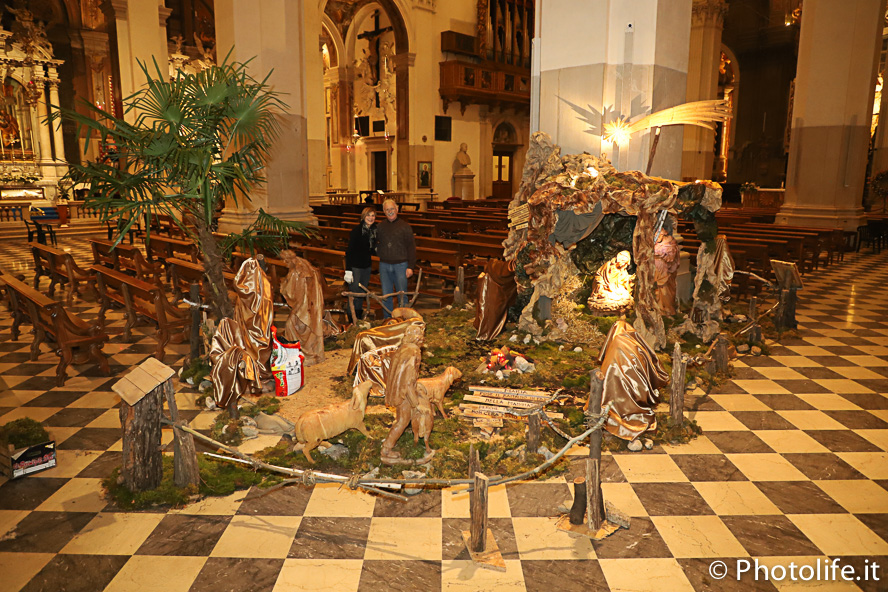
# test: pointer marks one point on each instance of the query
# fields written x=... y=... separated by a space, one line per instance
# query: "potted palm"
x=190 y=145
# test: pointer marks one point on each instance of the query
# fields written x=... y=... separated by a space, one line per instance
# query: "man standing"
x=397 y=254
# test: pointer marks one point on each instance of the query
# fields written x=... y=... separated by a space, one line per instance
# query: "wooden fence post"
x=185 y=468
x=478 y=513
x=533 y=433
x=720 y=353
x=755 y=331
x=594 y=499
x=459 y=293
x=676 y=401
x=194 y=296
x=578 y=509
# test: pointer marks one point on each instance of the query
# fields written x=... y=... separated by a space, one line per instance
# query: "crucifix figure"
x=372 y=38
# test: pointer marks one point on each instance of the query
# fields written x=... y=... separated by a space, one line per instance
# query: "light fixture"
x=617 y=132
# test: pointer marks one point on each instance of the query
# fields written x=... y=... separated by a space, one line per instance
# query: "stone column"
x=835 y=83
x=600 y=60
x=405 y=62
x=58 y=139
x=140 y=33
x=281 y=35
x=707 y=20
x=43 y=125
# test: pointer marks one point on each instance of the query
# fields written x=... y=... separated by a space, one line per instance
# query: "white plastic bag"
x=349 y=277
x=287 y=363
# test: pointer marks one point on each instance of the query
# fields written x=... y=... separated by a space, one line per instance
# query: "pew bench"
x=72 y=339
x=60 y=267
x=125 y=258
x=144 y=302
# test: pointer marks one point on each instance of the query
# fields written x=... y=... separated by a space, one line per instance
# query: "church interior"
x=633 y=339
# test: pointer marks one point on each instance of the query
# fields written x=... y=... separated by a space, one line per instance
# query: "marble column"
x=835 y=84
x=707 y=21
x=338 y=80
x=57 y=136
x=43 y=126
x=598 y=60
x=281 y=35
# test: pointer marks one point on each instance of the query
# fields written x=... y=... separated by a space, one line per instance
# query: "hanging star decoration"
x=700 y=113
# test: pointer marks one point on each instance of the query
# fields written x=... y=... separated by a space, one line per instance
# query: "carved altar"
x=31 y=148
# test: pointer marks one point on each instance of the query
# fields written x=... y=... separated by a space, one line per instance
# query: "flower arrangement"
x=748 y=187
x=18 y=177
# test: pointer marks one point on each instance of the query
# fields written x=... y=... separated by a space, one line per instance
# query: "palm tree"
x=194 y=142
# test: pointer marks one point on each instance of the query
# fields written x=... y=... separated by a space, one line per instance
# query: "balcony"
x=493 y=84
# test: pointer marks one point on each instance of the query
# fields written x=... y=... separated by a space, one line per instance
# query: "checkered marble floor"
x=792 y=468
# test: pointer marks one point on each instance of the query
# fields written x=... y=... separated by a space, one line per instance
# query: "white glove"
x=349 y=277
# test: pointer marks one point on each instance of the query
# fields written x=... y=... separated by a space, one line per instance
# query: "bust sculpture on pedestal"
x=463 y=177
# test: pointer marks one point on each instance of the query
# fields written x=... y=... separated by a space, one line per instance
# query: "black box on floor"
x=25 y=461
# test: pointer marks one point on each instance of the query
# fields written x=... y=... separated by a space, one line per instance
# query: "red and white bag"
x=287 y=363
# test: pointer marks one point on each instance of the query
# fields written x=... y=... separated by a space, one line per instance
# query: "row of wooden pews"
x=753 y=244
x=73 y=340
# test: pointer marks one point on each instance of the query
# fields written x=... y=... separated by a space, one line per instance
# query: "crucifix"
x=373 y=42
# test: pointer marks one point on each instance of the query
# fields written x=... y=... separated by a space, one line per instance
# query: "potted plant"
x=189 y=145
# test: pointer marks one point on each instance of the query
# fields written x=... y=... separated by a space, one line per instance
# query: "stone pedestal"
x=464 y=185
x=835 y=83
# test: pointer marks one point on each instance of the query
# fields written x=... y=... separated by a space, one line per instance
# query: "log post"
x=594 y=499
x=596 y=386
x=185 y=469
x=755 y=331
x=474 y=461
x=720 y=353
x=142 y=467
x=478 y=513
x=141 y=409
x=676 y=401
x=533 y=433
x=459 y=293
x=578 y=510
x=194 y=296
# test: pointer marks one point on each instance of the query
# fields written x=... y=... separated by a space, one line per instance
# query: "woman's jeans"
x=394 y=279
x=360 y=275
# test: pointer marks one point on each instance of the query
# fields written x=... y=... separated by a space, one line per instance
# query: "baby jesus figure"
x=613 y=286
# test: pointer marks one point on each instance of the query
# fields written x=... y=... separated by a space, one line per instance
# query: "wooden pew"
x=125 y=258
x=141 y=301
x=161 y=248
x=74 y=340
x=183 y=273
x=60 y=268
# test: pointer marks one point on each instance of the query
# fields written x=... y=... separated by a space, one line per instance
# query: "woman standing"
x=361 y=246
